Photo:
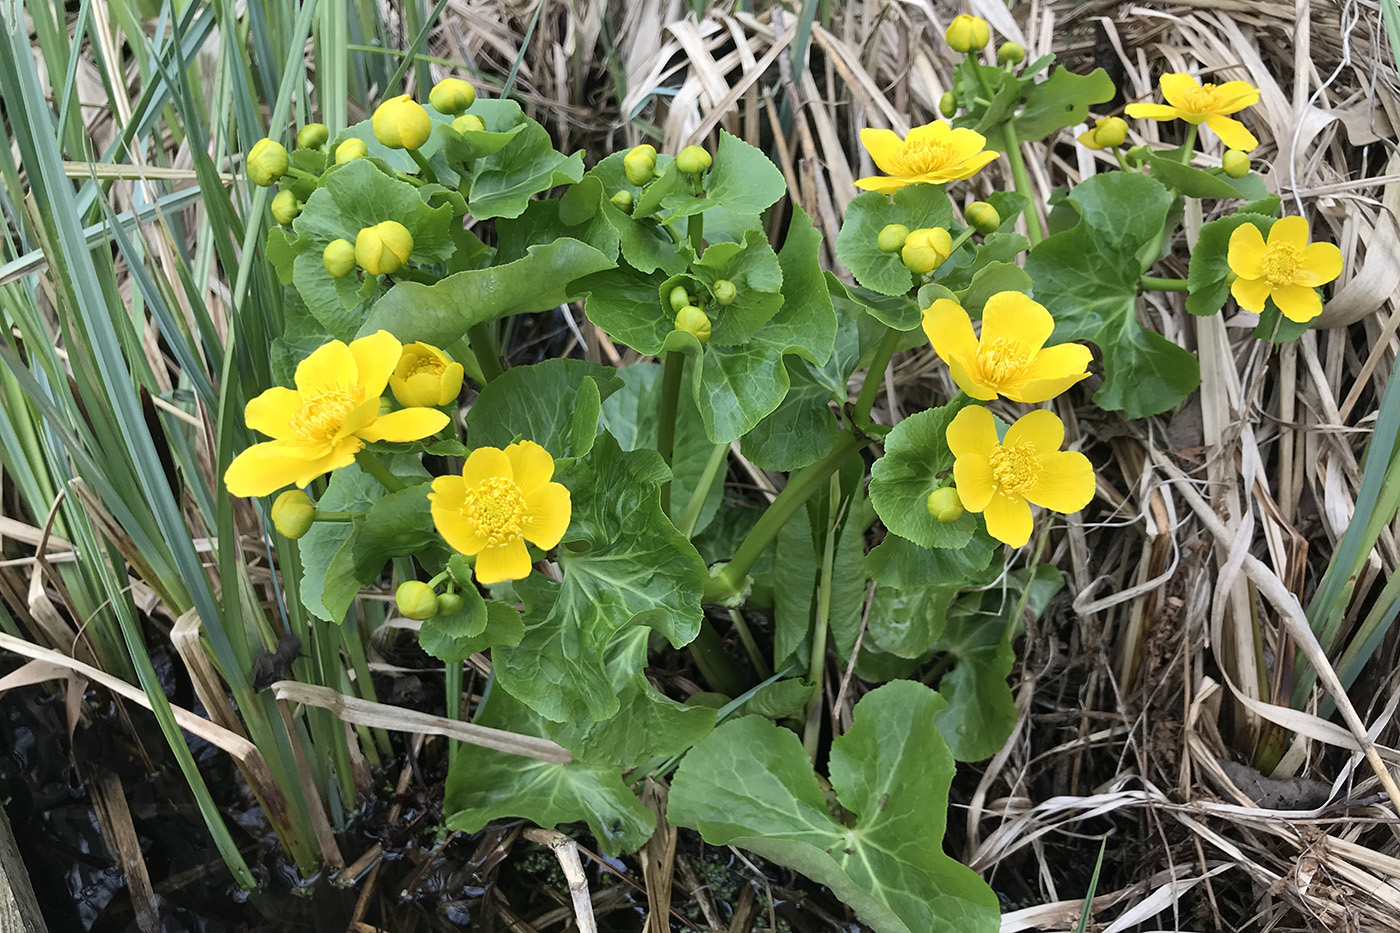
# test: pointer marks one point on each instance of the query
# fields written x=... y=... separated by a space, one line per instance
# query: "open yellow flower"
x=1196 y=103
x=502 y=499
x=1011 y=358
x=1001 y=480
x=321 y=424
x=1287 y=268
x=929 y=155
x=425 y=376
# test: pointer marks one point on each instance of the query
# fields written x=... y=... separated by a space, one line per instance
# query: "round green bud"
x=925 y=249
x=285 y=207
x=639 y=164
x=1110 y=132
x=622 y=201
x=982 y=217
x=416 y=600
x=724 y=291
x=449 y=603
x=945 y=504
x=350 y=150
x=267 y=162
x=1236 y=162
x=452 y=96
x=693 y=321
x=948 y=104
x=338 y=257
x=293 y=514
x=891 y=238
x=401 y=123
x=469 y=123
x=1011 y=54
x=693 y=160
x=968 y=33
x=678 y=298
x=383 y=248
x=312 y=136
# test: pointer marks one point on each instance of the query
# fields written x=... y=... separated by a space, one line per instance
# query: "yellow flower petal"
x=503 y=562
x=938 y=133
x=966 y=142
x=949 y=330
x=1297 y=302
x=1152 y=112
x=408 y=424
x=1009 y=519
x=446 y=500
x=1042 y=429
x=271 y=412
x=375 y=359
x=547 y=515
x=974 y=164
x=1321 y=263
x=531 y=464
x=1232 y=133
x=264 y=468
x=1249 y=294
x=1178 y=89
x=972 y=475
x=361 y=415
x=972 y=431
x=1053 y=370
x=881 y=183
x=1236 y=95
x=1086 y=138
x=964 y=380
x=1013 y=317
x=1292 y=230
x=884 y=147
x=329 y=366
x=1246 y=253
x=1065 y=483
x=486 y=463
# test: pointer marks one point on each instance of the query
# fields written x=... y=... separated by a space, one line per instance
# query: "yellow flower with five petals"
x=502 y=499
x=1190 y=100
x=930 y=155
x=1286 y=268
x=321 y=424
x=1002 y=480
x=1010 y=358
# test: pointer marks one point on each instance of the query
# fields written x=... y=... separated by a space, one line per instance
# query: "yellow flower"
x=293 y=514
x=1189 y=100
x=401 y=123
x=929 y=155
x=1011 y=358
x=967 y=33
x=267 y=161
x=1287 y=268
x=926 y=249
x=321 y=424
x=1001 y=480
x=1107 y=133
x=383 y=248
x=502 y=499
x=350 y=150
x=425 y=377
x=452 y=96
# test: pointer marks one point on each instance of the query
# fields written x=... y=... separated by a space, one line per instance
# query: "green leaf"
x=916 y=452
x=396 y=525
x=623 y=564
x=453 y=636
x=991 y=279
x=1004 y=246
x=542 y=223
x=1276 y=328
x=753 y=268
x=914 y=206
x=646 y=245
x=503 y=183
x=802 y=428
x=1087 y=276
x=1195 y=183
x=795 y=570
x=485 y=784
x=782 y=699
x=544 y=403
x=742 y=181
x=916 y=587
x=1061 y=100
x=440 y=314
x=1208 y=278
x=750 y=784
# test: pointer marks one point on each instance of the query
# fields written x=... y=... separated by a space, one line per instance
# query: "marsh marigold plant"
x=930 y=155
x=1285 y=269
x=1190 y=100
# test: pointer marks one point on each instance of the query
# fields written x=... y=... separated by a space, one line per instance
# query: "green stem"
x=454 y=705
x=484 y=349
x=691 y=517
x=875 y=375
x=1188 y=149
x=338 y=516
x=408 y=273
x=695 y=227
x=1153 y=283
x=958 y=241
x=294 y=172
x=730 y=580
x=750 y=644
x=376 y=468
x=672 y=372
x=1022 y=181
x=714 y=663
x=423 y=166
x=413 y=180
x=816 y=668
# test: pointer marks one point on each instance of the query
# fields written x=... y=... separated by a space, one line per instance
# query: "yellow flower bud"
x=350 y=150
x=293 y=514
x=622 y=201
x=401 y=123
x=383 y=248
x=945 y=504
x=1236 y=162
x=267 y=162
x=416 y=600
x=948 y=104
x=448 y=603
x=724 y=291
x=925 y=249
x=693 y=160
x=891 y=238
x=469 y=123
x=968 y=33
x=338 y=257
x=452 y=95
x=639 y=164
x=285 y=207
x=1011 y=54
x=1108 y=133
x=425 y=377
x=693 y=321
x=312 y=136
x=678 y=298
x=982 y=217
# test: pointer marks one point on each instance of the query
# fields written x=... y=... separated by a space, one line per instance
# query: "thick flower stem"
x=453 y=687
x=423 y=166
x=1188 y=149
x=876 y=375
x=673 y=369
x=816 y=670
x=376 y=468
x=484 y=349
x=691 y=517
x=1022 y=180
x=1153 y=283
x=730 y=581
x=714 y=663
